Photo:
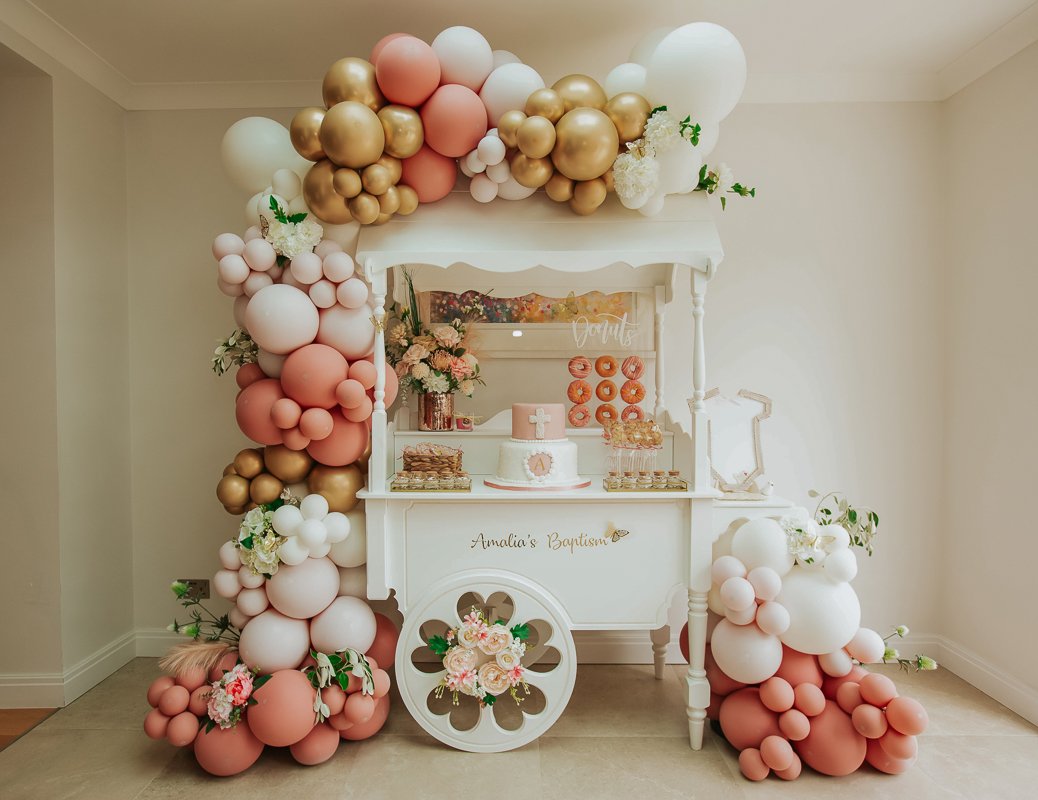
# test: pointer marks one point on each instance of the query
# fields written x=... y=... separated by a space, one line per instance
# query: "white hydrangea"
x=292 y=239
x=635 y=176
x=420 y=371
x=662 y=131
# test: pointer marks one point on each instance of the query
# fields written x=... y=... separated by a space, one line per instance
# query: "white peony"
x=662 y=131
x=420 y=371
x=436 y=384
x=470 y=359
x=291 y=239
x=635 y=178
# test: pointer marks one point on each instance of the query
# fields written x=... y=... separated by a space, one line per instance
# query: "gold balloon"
x=306 y=133
x=629 y=112
x=376 y=179
x=402 y=129
x=532 y=173
x=346 y=182
x=234 y=510
x=536 y=137
x=585 y=145
x=588 y=196
x=607 y=176
x=338 y=485
x=546 y=103
x=250 y=506
x=364 y=208
x=394 y=166
x=559 y=188
x=352 y=79
x=248 y=463
x=233 y=491
x=382 y=219
x=580 y=91
x=389 y=200
x=229 y=470
x=320 y=195
x=288 y=466
x=408 y=200
x=362 y=462
x=508 y=126
x=352 y=135
x=265 y=488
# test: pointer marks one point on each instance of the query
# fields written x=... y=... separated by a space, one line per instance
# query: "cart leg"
x=660 y=639
x=698 y=686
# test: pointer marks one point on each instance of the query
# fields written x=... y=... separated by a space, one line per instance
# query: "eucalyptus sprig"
x=862 y=524
x=209 y=627
x=237 y=349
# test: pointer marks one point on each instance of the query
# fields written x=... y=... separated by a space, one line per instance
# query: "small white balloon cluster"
x=490 y=173
x=749 y=595
x=328 y=275
x=310 y=529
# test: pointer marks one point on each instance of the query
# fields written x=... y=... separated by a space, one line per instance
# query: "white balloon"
x=241 y=302
x=270 y=363
x=353 y=582
x=835 y=664
x=465 y=56
x=511 y=189
x=272 y=641
x=835 y=537
x=314 y=506
x=286 y=520
x=491 y=150
x=473 y=162
x=464 y=167
x=772 y=618
x=507 y=88
x=353 y=550
x=337 y=526
x=250 y=580
x=293 y=552
x=348 y=330
x=226 y=583
x=482 y=189
x=637 y=201
x=255 y=148
x=741 y=617
x=229 y=558
x=348 y=622
x=709 y=133
x=653 y=206
x=737 y=594
x=502 y=57
x=823 y=615
x=320 y=551
x=646 y=46
x=263 y=208
x=714 y=602
x=500 y=172
x=297 y=205
x=727 y=567
x=286 y=184
x=251 y=602
x=697 y=69
x=252 y=216
x=679 y=168
x=311 y=534
x=629 y=77
x=841 y=566
x=867 y=646
x=762 y=543
x=281 y=318
x=744 y=652
x=766 y=583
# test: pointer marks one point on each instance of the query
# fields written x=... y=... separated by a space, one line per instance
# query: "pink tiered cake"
x=538 y=456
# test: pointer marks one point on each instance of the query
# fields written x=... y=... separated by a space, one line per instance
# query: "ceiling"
x=274 y=52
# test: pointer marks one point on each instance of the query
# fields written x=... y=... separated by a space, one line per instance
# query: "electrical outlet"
x=197 y=588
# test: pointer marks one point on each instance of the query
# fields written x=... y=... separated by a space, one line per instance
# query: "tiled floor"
x=622 y=736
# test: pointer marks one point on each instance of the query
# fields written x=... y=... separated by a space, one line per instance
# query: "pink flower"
x=240 y=690
x=515 y=675
x=414 y=354
x=447 y=336
x=460 y=369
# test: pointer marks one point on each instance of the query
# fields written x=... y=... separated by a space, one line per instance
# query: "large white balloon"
x=762 y=543
x=281 y=319
x=823 y=616
x=507 y=88
x=867 y=646
x=273 y=641
x=511 y=189
x=654 y=205
x=709 y=133
x=502 y=57
x=744 y=652
x=353 y=582
x=465 y=56
x=629 y=77
x=305 y=590
x=348 y=622
x=255 y=148
x=679 y=168
x=353 y=550
x=647 y=45
x=348 y=330
x=697 y=69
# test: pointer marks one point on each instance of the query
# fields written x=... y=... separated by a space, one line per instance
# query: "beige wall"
x=988 y=547
x=29 y=591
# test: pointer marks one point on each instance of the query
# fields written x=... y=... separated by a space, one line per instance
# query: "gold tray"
x=682 y=488
x=430 y=491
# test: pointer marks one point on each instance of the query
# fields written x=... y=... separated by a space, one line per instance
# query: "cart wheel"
x=550 y=660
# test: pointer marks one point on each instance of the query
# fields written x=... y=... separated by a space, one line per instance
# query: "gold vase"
x=436 y=411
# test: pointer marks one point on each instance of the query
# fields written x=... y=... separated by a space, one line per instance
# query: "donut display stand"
x=556 y=561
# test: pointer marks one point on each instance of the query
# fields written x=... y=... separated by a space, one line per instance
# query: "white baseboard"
x=54 y=690
x=621 y=647
x=155 y=642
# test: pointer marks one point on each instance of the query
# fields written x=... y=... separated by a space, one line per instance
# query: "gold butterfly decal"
x=615 y=534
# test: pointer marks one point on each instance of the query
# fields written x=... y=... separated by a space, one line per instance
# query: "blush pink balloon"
x=230 y=289
x=407 y=71
x=383 y=649
x=454 y=119
x=431 y=175
x=726 y=567
x=281 y=319
x=306 y=268
x=350 y=392
x=323 y=293
x=365 y=730
x=252 y=410
x=832 y=747
x=347 y=623
x=745 y=720
x=272 y=642
x=317 y=746
x=232 y=269
x=227 y=751
x=338 y=266
x=311 y=375
x=304 y=590
x=255 y=282
x=380 y=45
x=251 y=602
x=348 y=330
x=316 y=424
x=285 y=413
x=352 y=293
x=344 y=445
x=227 y=244
x=284 y=709
x=259 y=254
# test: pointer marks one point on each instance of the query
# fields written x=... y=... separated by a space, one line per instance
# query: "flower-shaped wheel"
x=511 y=613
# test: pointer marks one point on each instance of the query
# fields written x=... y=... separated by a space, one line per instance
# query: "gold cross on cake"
x=538 y=419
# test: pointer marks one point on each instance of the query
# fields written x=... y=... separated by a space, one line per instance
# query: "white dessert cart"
x=578 y=560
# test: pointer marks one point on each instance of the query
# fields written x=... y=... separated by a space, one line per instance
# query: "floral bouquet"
x=433 y=360
x=229 y=696
x=482 y=660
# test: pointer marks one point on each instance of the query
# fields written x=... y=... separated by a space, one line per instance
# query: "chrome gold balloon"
x=321 y=197
x=408 y=199
x=288 y=466
x=536 y=137
x=403 y=131
x=586 y=144
x=352 y=79
x=352 y=135
x=546 y=103
x=305 y=131
x=559 y=188
x=265 y=488
x=338 y=485
x=376 y=179
x=629 y=112
x=580 y=91
x=588 y=196
x=364 y=208
x=248 y=463
x=389 y=200
x=508 y=126
x=233 y=491
x=347 y=182
x=532 y=173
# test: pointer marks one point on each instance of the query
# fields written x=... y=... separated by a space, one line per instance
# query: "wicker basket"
x=426 y=457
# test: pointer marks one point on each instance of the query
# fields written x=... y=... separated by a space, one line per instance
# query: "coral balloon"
x=272 y=642
x=454 y=120
x=227 y=751
x=359 y=708
x=365 y=730
x=281 y=319
x=312 y=373
x=832 y=747
x=317 y=746
x=794 y=770
x=182 y=729
x=580 y=91
x=777 y=695
x=831 y=685
x=383 y=648
x=880 y=759
x=897 y=745
x=752 y=766
x=430 y=174
x=381 y=44
x=777 y=753
x=344 y=445
x=352 y=79
x=338 y=485
x=156 y=724
x=744 y=652
x=809 y=699
x=745 y=720
x=407 y=71
x=252 y=411
x=794 y=724
x=158 y=688
x=878 y=690
x=869 y=721
x=352 y=135
x=848 y=697
x=347 y=623
x=284 y=709
x=586 y=144
x=305 y=590
x=720 y=683
x=907 y=716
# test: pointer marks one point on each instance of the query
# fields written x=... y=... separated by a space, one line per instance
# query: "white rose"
x=508 y=659
x=470 y=359
x=459 y=659
x=468 y=637
x=467 y=387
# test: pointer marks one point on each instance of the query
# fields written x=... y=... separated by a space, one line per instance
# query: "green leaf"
x=658 y=108
x=273 y=506
x=521 y=632
x=259 y=681
x=852 y=516
x=489 y=700
x=499 y=621
x=439 y=645
x=247 y=542
x=295 y=219
x=344 y=681
x=723 y=198
x=209 y=726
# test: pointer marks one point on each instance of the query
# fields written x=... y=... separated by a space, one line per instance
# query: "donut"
x=605 y=366
x=579 y=416
x=632 y=392
x=605 y=414
x=633 y=367
x=632 y=413
x=579 y=367
x=606 y=391
x=579 y=392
